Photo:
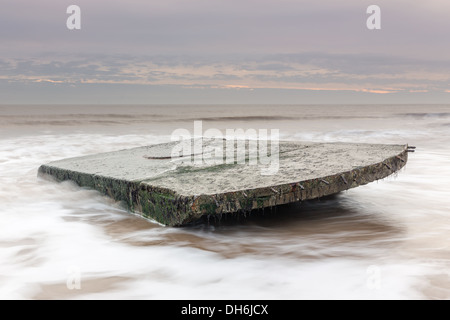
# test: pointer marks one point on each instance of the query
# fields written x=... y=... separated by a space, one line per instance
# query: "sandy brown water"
x=385 y=240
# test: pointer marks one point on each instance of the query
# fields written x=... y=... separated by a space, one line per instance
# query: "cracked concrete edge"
x=171 y=209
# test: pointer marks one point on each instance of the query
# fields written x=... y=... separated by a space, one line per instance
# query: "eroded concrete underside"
x=176 y=191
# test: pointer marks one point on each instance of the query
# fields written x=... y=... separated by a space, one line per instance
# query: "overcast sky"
x=224 y=51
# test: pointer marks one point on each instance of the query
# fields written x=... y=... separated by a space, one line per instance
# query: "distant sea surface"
x=386 y=240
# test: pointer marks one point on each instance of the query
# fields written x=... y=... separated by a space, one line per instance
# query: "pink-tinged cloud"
x=379 y=91
x=49 y=81
x=236 y=86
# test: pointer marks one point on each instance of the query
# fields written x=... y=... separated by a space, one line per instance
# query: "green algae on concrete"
x=175 y=192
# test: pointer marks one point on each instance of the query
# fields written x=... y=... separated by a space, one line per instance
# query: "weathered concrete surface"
x=175 y=193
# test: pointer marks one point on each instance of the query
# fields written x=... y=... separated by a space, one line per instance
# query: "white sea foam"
x=321 y=249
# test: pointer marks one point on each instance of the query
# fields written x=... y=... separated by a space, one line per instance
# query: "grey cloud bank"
x=229 y=51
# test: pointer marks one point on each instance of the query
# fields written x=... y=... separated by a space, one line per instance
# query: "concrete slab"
x=178 y=190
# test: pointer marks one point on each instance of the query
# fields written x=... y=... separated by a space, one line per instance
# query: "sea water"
x=386 y=240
